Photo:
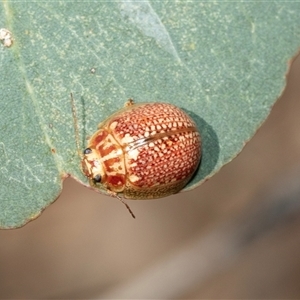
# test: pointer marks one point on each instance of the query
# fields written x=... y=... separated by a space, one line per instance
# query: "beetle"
x=143 y=151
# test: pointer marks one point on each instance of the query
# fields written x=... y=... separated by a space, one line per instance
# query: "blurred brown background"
x=236 y=236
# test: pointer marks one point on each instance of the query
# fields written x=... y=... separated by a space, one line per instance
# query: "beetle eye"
x=87 y=151
x=97 y=178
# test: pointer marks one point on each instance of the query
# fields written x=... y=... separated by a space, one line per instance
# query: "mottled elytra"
x=143 y=151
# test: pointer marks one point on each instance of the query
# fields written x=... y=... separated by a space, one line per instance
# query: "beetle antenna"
x=115 y=195
x=75 y=120
x=127 y=206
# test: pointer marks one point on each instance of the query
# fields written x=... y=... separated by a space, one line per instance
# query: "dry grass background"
x=236 y=236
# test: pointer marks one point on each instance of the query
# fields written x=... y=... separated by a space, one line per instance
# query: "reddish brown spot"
x=116 y=180
x=100 y=137
x=53 y=150
x=110 y=162
x=106 y=150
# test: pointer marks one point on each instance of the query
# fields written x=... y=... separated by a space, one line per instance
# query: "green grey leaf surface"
x=222 y=62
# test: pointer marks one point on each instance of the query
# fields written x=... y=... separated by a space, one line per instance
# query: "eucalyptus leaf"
x=224 y=63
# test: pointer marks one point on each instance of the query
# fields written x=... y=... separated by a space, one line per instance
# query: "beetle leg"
x=129 y=102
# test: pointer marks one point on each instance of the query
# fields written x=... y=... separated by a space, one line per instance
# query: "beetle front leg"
x=129 y=102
